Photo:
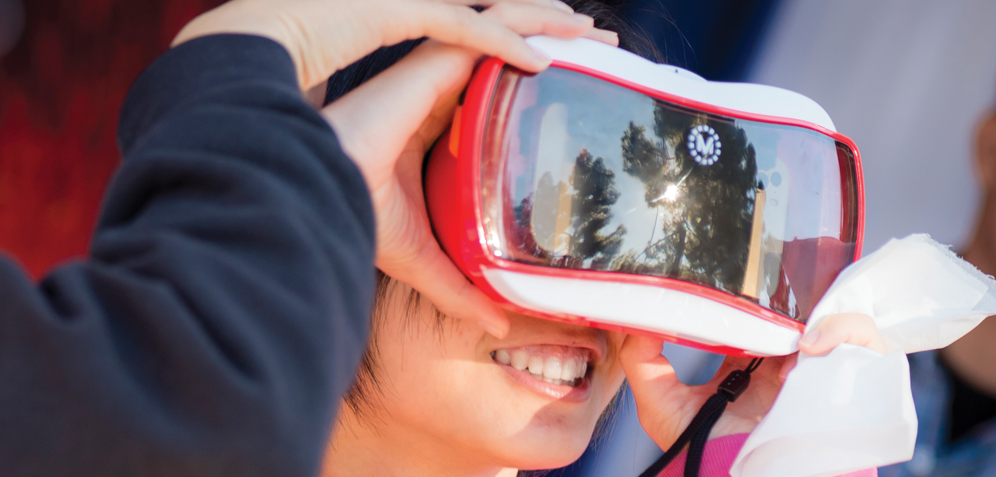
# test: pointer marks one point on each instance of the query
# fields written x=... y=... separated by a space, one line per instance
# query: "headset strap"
x=698 y=430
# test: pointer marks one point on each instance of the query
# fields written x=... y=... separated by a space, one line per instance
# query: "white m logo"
x=704 y=145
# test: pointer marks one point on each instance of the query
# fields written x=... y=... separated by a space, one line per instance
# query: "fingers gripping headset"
x=614 y=192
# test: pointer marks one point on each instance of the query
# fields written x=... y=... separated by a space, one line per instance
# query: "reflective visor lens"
x=583 y=174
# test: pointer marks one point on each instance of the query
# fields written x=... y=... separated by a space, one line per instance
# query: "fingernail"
x=491 y=329
x=563 y=6
x=541 y=57
x=605 y=36
x=809 y=339
x=582 y=18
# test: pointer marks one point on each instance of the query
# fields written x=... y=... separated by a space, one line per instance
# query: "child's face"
x=445 y=386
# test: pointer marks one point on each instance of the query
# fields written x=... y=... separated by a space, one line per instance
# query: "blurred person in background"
x=955 y=388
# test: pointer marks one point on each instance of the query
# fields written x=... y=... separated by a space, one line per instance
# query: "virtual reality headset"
x=618 y=193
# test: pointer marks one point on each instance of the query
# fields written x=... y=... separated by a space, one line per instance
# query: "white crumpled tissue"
x=853 y=409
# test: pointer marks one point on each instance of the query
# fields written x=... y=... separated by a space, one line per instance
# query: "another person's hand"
x=666 y=406
x=389 y=123
x=323 y=36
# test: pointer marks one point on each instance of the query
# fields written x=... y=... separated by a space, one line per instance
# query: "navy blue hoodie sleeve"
x=225 y=303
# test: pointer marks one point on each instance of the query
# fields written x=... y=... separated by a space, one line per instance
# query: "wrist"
x=234 y=21
x=240 y=21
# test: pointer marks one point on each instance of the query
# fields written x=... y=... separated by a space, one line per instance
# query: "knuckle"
x=501 y=11
x=499 y=7
x=467 y=14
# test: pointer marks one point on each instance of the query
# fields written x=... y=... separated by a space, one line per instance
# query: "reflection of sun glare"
x=671 y=193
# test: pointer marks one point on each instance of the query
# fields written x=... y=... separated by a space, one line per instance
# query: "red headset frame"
x=457 y=209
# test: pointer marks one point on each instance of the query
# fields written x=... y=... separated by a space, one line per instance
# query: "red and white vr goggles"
x=623 y=194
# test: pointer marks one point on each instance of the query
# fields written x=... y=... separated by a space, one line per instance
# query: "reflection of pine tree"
x=707 y=219
x=591 y=193
x=650 y=162
x=645 y=159
x=591 y=210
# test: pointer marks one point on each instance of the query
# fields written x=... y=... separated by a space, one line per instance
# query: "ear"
x=985 y=152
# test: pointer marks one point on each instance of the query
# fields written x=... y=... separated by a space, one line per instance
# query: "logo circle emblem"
x=704 y=145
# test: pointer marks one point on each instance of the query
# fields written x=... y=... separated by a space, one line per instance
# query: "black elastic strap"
x=697 y=433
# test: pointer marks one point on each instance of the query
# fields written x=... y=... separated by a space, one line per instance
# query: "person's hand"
x=323 y=36
x=666 y=406
x=388 y=124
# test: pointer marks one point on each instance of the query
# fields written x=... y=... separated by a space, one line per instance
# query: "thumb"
x=643 y=362
x=651 y=376
x=664 y=404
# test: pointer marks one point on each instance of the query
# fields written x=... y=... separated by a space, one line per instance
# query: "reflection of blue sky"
x=598 y=113
x=800 y=173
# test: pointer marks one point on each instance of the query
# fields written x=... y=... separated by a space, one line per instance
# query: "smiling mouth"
x=554 y=364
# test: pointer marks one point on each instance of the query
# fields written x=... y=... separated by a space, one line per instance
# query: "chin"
x=541 y=449
x=548 y=459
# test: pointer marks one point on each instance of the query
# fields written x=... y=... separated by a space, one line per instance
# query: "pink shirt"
x=718 y=458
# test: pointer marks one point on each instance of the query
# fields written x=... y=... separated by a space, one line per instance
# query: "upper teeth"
x=554 y=364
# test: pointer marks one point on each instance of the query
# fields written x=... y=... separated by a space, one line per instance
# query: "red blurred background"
x=61 y=88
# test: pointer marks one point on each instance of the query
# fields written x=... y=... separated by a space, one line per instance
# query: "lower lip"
x=559 y=392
